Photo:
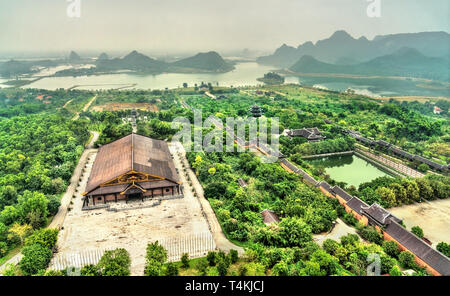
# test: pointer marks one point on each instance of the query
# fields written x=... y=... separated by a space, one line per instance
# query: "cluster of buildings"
x=396 y=151
x=384 y=222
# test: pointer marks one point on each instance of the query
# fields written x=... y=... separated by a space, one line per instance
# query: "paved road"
x=221 y=240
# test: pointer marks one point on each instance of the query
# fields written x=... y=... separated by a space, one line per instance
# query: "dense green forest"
x=41 y=145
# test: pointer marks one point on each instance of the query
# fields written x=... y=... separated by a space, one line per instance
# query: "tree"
x=153 y=268
x=156 y=252
x=294 y=232
x=233 y=255
x=44 y=237
x=211 y=258
x=185 y=260
x=395 y=271
x=35 y=258
x=417 y=231
x=222 y=267
x=32 y=208
x=423 y=168
x=171 y=269
x=406 y=259
x=90 y=270
x=202 y=266
x=391 y=248
x=9 y=215
x=330 y=246
x=115 y=263
x=444 y=248
x=19 y=232
x=387 y=196
x=3 y=248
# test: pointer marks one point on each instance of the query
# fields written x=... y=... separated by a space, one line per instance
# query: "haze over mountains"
x=425 y=55
x=134 y=61
x=405 y=62
x=342 y=49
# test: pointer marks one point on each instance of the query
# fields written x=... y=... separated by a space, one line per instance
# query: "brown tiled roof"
x=356 y=205
x=417 y=246
x=326 y=186
x=132 y=152
x=379 y=215
x=339 y=191
x=269 y=217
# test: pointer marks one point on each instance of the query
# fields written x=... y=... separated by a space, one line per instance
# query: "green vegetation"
x=272 y=78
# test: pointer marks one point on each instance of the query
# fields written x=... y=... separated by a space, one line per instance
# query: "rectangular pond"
x=349 y=169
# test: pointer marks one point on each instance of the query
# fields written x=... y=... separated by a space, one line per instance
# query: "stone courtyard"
x=178 y=224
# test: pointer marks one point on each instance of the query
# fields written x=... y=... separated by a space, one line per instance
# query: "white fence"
x=197 y=245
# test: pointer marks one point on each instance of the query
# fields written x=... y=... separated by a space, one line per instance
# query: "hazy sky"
x=198 y=25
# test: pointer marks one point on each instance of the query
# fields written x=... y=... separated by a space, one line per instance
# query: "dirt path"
x=221 y=240
x=338 y=231
x=85 y=108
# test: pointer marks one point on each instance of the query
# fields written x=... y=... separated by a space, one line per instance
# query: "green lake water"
x=349 y=169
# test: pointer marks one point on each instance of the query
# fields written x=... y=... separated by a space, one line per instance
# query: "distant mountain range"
x=425 y=55
x=134 y=61
x=406 y=62
x=208 y=62
x=343 y=49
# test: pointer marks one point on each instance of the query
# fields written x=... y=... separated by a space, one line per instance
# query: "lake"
x=376 y=87
x=244 y=74
x=349 y=169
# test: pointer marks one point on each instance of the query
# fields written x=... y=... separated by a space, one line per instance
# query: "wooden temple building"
x=132 y=167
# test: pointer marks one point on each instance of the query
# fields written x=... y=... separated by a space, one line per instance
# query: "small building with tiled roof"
x=311 y=134
x=269 y=217
x=132 y=167
x=378 y=216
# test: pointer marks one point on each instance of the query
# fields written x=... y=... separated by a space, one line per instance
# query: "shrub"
x=349 y=219
x=202 y=266
x=222 y=267
x=444 y=248
x=391 y=248
x=153 y=268
x=3 y=249
x=371 y=234
x=417 y=231
x=406 y=259
x=157 y=252
x=44 y=237
x=330 y=246
x=53 y=205
x=53 y=273
x=35 y=258
x=395 y=271
x=280 y=269
x=171 y=270
x=185 y=260
x=115 y=263
x=90 y=270
x=211 y=258
x=233 y=255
